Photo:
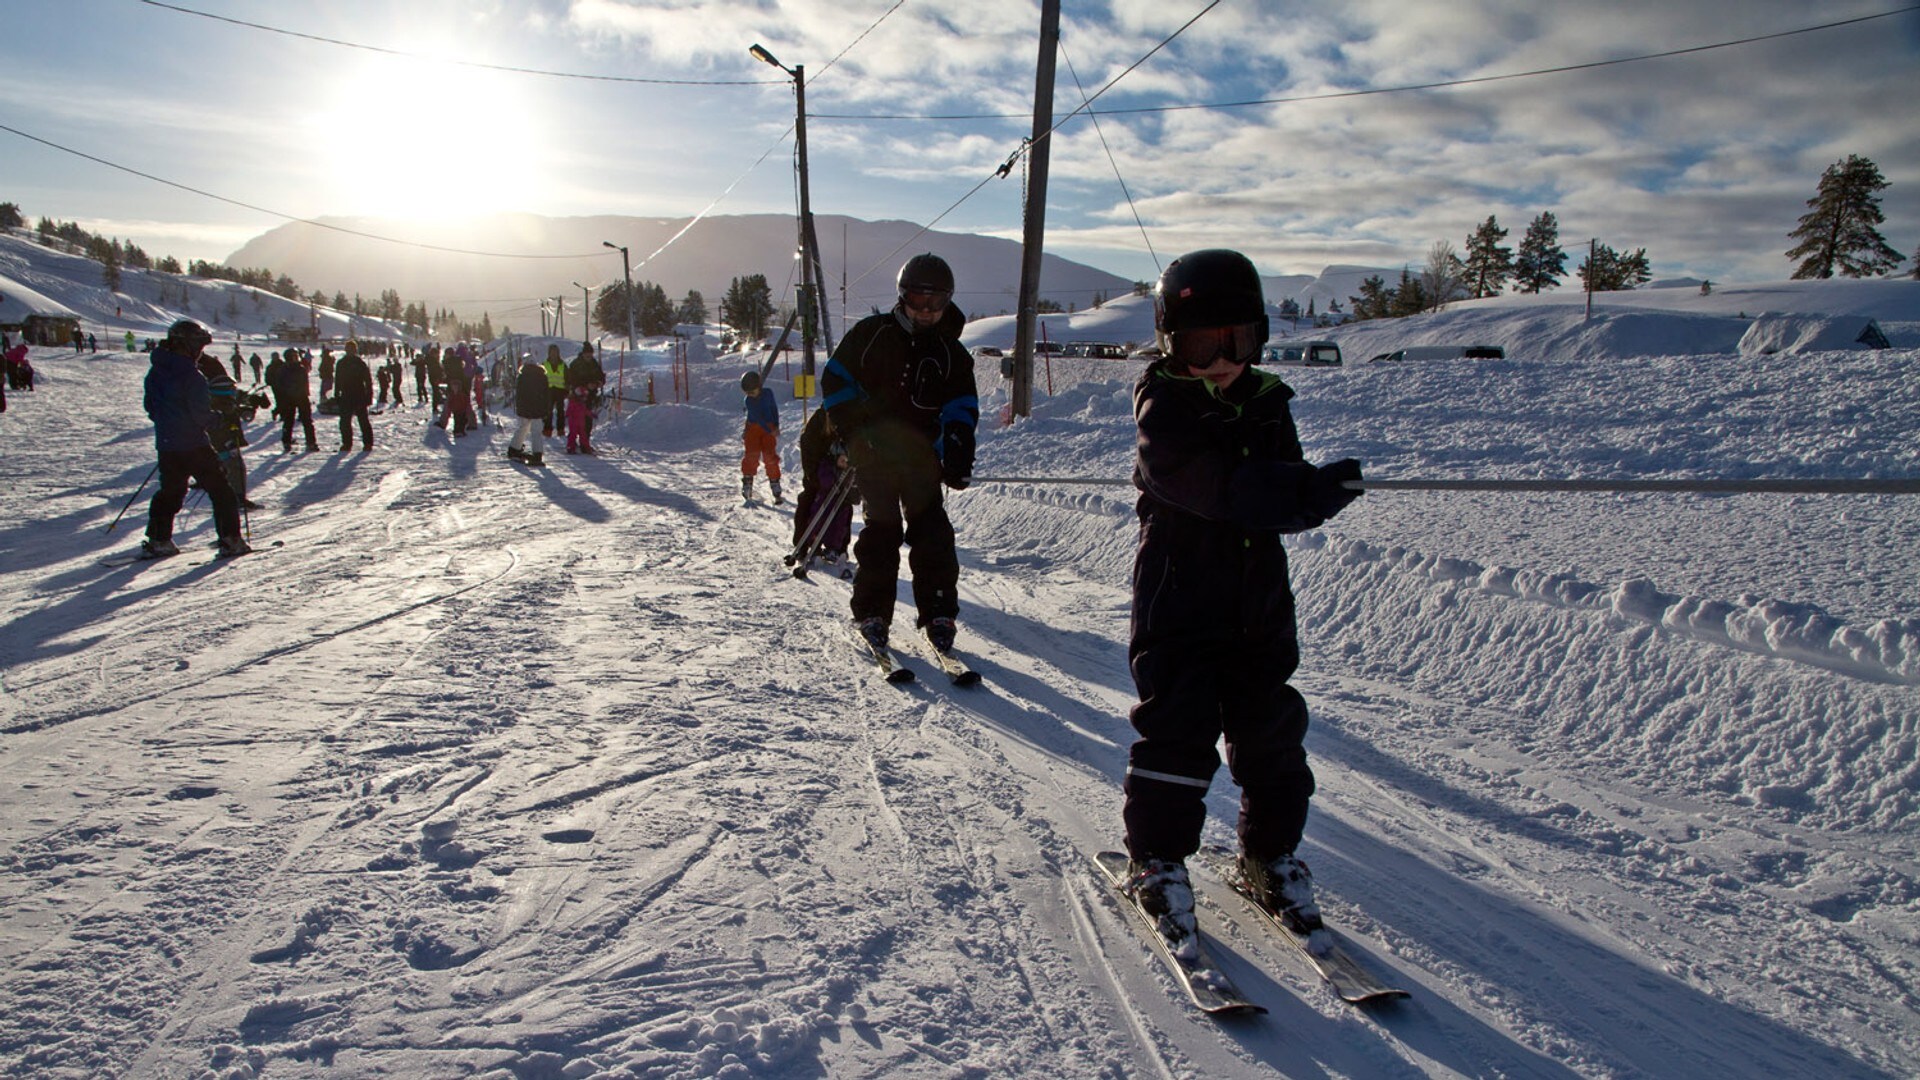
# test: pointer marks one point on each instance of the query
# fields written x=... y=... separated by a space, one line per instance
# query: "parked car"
x=1099 y=350
x=1304 y=354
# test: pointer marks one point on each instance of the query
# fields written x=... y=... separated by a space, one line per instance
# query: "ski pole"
x=837 y=500
x=814 y=527
x=130 y=498
x=823 y=511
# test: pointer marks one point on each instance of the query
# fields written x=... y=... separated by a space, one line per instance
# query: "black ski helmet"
x=926 y=272
x=1209 y=288
x=190 y=336
x=749 y=382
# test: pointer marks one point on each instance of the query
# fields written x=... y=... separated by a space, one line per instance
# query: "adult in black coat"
x=531 y=404
x=293 y=395
x=353 y=392
x=900 y=389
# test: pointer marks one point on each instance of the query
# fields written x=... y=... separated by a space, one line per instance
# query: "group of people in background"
x=556 y=398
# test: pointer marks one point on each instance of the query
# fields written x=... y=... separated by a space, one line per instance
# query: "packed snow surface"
x=493 y=772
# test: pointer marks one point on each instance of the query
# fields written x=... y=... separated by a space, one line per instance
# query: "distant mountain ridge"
x=859 y=256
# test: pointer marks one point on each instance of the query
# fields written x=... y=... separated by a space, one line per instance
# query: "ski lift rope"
x=1827 y=485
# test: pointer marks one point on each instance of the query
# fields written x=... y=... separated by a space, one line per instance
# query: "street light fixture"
x=813 y=280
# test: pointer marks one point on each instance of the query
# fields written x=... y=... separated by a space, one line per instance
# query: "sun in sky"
x=425 y=141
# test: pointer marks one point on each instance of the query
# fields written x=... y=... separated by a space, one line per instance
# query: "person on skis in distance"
x=181 y=406
x=1213 y=640
x=762 y=436
x=900 y=389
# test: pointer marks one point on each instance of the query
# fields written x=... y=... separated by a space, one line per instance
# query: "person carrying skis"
x=1221 y=477
x=353 y=394
x=531 y=394
x=584 y=380
x=823 y=458
x=181 y=407
x=900 y=388
x=762 y=436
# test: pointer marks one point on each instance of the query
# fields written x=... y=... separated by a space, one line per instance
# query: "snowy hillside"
x=492 y=773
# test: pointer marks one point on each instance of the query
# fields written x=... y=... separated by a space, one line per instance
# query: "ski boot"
x=1283 y=886
x=777 y=497
x=940 y=633
x=1163 y=890
x=157 y=549
x=746 y=489
x=231 y=546
x=873 y=630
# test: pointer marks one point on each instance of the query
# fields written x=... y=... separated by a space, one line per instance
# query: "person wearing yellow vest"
x=556 y=369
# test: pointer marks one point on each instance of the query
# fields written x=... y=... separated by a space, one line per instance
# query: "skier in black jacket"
x=900 y=388
x=532 y=404
x=1221 y=477
x=353 y=391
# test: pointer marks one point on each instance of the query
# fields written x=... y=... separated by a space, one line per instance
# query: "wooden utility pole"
x=1032 y=241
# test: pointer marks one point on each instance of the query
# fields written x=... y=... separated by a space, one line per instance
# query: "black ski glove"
x=1329 y=493
x=956 y=455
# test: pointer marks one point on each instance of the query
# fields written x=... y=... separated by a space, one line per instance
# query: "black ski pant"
x=303 y=412
x=349 y=413
x=904 y=505
x=1213 y=644
x=176 y=468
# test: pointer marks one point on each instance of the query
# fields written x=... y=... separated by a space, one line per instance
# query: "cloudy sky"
x=1284 y=128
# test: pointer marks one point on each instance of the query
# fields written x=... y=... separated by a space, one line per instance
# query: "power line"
x=1409 y=88
x=285 y=216
x=462 y=63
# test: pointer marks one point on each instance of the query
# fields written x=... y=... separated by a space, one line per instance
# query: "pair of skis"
x=1212 y=991
x=891 y=669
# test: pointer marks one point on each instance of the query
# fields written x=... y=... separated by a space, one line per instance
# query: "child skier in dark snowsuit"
x=823 y=458
x=1221 y=478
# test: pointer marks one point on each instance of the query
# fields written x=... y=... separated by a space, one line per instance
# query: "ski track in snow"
x=510 y=773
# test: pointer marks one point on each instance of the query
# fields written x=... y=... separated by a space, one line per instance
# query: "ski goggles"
x=1199 y=348
x=926 y=300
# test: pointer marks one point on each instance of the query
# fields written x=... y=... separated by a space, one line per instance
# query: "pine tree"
x=1839 y=232
x=748 y=305
x=1374 y=299
x=1541 y=263
x=10 y=216
x=1489 y=265
x=693 y=310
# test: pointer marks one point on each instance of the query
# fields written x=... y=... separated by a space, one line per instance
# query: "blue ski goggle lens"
x=1199 y=348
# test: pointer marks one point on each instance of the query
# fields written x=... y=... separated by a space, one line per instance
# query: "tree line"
x=1839 y=234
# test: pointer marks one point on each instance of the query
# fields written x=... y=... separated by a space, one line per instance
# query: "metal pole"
x=1033 y=236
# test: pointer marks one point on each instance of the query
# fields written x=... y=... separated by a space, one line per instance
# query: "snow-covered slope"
x=487 y=772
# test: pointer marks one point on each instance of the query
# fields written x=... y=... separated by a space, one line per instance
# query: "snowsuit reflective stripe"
x=1213 y=638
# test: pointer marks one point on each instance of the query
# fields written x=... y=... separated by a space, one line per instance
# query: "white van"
x=1304 y=354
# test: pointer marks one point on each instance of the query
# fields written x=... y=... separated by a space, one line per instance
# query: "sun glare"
x=425 y=142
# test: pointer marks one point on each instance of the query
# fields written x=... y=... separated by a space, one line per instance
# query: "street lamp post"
x=626 y=275
x=586 y=312
x=813 y=280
